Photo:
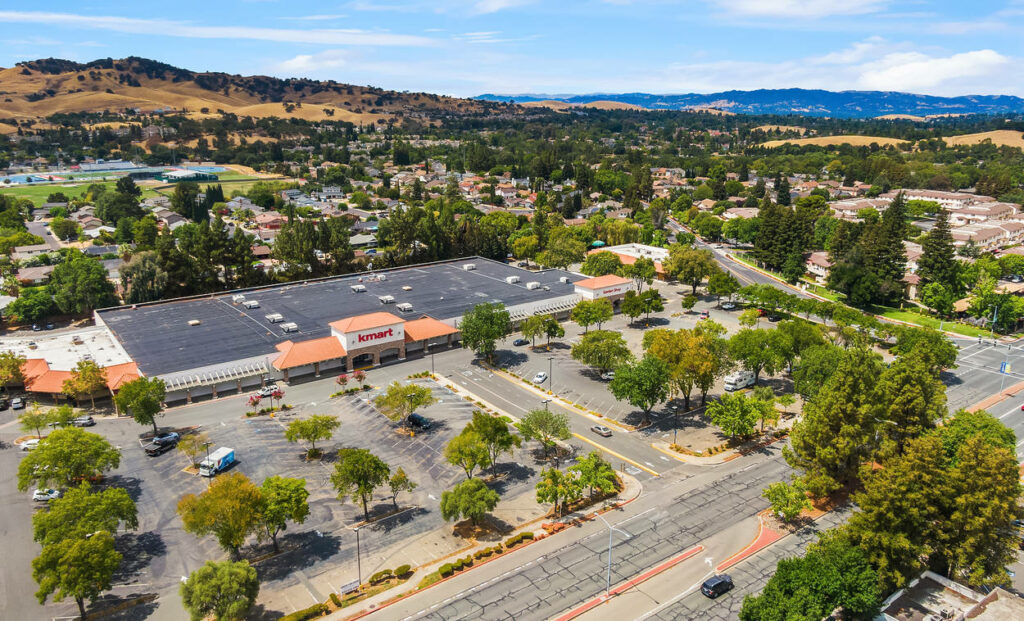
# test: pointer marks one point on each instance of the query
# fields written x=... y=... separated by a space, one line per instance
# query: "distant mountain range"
x=843 y=104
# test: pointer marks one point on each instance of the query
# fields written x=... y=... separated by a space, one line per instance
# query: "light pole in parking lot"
x=611 y=531
x=359 y=566
x=546 y=402
x=206 y=445
x=550 y=358
x=675 y=430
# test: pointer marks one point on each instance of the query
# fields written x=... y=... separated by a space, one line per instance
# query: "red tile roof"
x=426 y=328
x=39 y=377
x=608 y=280
x=307 y=352
x=365 y=322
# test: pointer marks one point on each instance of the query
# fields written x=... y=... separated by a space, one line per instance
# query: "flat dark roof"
x=159 y=339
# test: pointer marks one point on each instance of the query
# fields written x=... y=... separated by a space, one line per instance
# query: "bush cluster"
x=515 y=540
x=314 y=611
x=402 y=570
x=381 y=576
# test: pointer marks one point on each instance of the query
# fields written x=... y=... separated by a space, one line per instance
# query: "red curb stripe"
x=764 y=539
x=647 y=575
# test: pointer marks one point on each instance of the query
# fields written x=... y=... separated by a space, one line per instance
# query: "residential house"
x=34 y=276
x=270 y=220
x=21 y=253
x=818 y=265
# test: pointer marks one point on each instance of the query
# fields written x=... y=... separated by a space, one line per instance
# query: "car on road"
x=728 y=305
x=153 y=449
x=83 y=421
x=520 y=342
x=167 y=439
x=266 y=391
x=29 y=445
x=49 y=326
x=419 y=421
x=705 y=314
x=602 y=431
x=17 y=403
x=540 y=377
x=37 y=328
x=45 y=495
x=608 y=376
x=716 y=585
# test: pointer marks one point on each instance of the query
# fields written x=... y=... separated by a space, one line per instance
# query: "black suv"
x=716 y=585
x=153 y=449
x=418 y=421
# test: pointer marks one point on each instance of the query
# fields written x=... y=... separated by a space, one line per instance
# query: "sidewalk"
x=446 y=546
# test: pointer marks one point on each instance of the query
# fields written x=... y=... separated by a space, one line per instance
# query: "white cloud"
x=315 y=64
x=482 y=7
x=315 y=18
x=913 y=71
x=800 y=9
x=151 y=27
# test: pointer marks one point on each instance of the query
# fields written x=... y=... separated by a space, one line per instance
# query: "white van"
x=738 y=380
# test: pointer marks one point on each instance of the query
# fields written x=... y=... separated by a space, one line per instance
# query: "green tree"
x=525 y=248
x=688 y=302
x=965 y=425
x=229 y=510
x=185 y=200
x=595 y=473
x=467 y=451
x=755 y=351
x=633 y=305
x=192 y=446
x=34 y=419
x=930 y=346
x=552 y=329
x=11 y=365
x=641 y=272
x=495 y=434
x=531 y=328
x=735 y=415
x=283 y=499
x=143 y=398
x=589 y=312
x=837 y=432
x=312 y=429
x=690 y=265
x=562 y=249
x=601 y=263
x=224 y=590
x=400 y=482
x=399 y=401
x=722 y=283
x=935 y=296
x=643 y=384
x=79 y=285
x=559 y=488
x=77 y=568
x=61 y=416
x=87 y=379
x=816 y=366
x=79 y=513
x=66 y=457
x=142 y=278
x=833 y=574
x=545 y=427
x=64 y=229
x=470 y=499
x=788 y=499
x=357 y=473
x=686 y=355
x=749 y=318
x=602 y=349
x=483 y=326
x=911 y=400
x=937 y=263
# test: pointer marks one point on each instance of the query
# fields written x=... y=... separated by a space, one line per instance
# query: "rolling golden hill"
x=40 y=88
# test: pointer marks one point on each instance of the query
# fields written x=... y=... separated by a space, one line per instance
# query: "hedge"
x=381 y=576
x=314 y=611
x=517 y=539
x=336 y=600
x=402 y=570
x=446 y=570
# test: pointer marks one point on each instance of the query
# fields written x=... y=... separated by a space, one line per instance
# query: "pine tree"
x=782 y=188
x=938 y=261
x=892 y=256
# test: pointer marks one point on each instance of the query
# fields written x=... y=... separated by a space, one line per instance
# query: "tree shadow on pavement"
x=509 y=475
x=137 y=551
x=139 y=612
x=299 y=551
x=129 y=484
x=387 y=525
x=260 y=613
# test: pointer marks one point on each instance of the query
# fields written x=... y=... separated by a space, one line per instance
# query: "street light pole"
x=675 y=430
x=546 y=402
x=608 y=576
x=206 y=445
x=359 y=566
x=550 y=369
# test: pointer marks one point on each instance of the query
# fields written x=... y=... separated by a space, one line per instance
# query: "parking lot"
x=159 y=552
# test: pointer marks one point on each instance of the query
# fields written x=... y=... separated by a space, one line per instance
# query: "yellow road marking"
x=619 y=455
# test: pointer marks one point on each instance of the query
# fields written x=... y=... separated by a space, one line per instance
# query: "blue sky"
x=468 y=47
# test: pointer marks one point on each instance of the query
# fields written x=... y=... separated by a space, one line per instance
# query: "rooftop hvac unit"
x=238 y=298
x=358 y=288
x=533 y=285
x=563 y=279
x=194 y=322
x=290 y=327
x=274 y=317
x=405 y=307
x=511 y=279
x=469 y=267
x=387 y=299
x=251 y=304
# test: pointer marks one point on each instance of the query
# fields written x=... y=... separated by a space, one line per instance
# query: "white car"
x=728 y=305
x=540 y=378
x=266 y=391
x=608 y=376
x=29 y=445
x=45 y=495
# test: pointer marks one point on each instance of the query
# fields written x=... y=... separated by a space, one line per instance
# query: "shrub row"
x=381 y=576
x=336 y=600
x=421 y=374
x=515 y=540
x=402 y=570
x=450 y=568
x=479 y=554
x=314 y=611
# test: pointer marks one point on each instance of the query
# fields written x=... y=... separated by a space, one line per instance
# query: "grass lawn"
x=931 y=322
x=38 y=193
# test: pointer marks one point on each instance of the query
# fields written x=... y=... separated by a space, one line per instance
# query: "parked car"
x=36 y=327
x=83 y=421
x=4 y=404
x=419 y=421
x=608 y=376
x=601 y=430
x=266 y=391
x=153 y=449
x=29 y=445
x=728 y=305
x=716 y=585
x=705 y=314
x=738 y=380
x=520 y=342
x=17 y=403
x=49 y=326
x=540 y=377
x=167 y=439
x=45 y=495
